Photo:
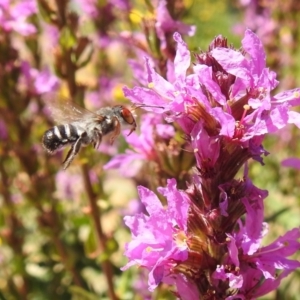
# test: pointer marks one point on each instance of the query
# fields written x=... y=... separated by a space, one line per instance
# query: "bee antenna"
x=143 y=105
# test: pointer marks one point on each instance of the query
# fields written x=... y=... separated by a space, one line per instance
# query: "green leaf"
x=67 y=38
x=79 y=293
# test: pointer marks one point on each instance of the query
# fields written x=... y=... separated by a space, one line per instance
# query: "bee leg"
x=97 y=142
x=73 y=151
x=117 y=130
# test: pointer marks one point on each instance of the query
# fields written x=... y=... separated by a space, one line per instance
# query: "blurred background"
x=62 y=234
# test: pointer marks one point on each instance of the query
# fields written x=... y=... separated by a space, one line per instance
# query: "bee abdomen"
x=59 y=136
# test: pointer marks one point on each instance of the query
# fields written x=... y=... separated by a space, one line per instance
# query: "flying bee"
x=79 y=127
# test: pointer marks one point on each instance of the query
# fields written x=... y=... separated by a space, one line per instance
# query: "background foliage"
x=62 y=234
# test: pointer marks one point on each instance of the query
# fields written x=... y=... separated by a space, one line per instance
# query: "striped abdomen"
x=59 y=136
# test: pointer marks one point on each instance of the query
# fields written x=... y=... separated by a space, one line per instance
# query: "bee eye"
x=127 y=116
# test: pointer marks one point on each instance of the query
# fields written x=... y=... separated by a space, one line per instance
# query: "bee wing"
x=64 y=112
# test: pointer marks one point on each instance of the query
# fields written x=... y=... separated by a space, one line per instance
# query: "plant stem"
x=96 y=213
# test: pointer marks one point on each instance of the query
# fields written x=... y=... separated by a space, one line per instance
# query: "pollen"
x=135 y=16
x=118 y=91
x=151 y=85
x=180 y=239
x=149 y=249
x=246 y=107
x=297 y=94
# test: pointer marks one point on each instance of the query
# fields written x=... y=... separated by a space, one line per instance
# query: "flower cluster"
x=164 y=230
x=268 y=19
x=144 y=144
x=37 y=82
x=202 y=243
x=76 y=50
x=13 y=17
x=166 y=25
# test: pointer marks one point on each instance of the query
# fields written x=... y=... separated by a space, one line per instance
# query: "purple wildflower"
x=46 y=82
x=88 y=7
x=180 y=253
x=123 y=5
x=51 y=35
x=222 y=73
x=3 y=130
x=104 y=94
x=138 y=68
x=165 y=25
x=68 y=186
x=94 y=10
x=144 y=144
x=133 y=207
x=291 y=162
x=157 y=44
x=225 y=107
x=258 y=17
x=163 y=229
x=258 y=271
x=103 y=16
x=140 y=285
x=13 y=17
x=37 y=82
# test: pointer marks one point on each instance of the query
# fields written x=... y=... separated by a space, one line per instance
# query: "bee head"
x=126 y=115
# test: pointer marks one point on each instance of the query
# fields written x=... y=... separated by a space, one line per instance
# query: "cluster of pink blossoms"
x=207 y=241
x=13 y=16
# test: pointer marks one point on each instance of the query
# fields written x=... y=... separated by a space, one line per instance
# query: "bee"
x=79 y=127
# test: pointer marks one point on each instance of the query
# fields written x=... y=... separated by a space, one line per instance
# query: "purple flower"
x=159 y=239
x=258 y=17
x=13 y=17
x=52 y=34
x=186 y=290
x=105 y=93
x=206 y=148
x=123 y=5
x=138 y=67
x=220 y=74
x=180 y=243
x=37 y=82
x=165 y=25
x=95 y=10
x=89 y=7
x=131 y=162
x=68 y=186
x=260 y=271
x=133 y=207
x=140 y=285
x=3 y=130
x=103 y=16
x=225 y=107
x=291 y=162
x=46 y=82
